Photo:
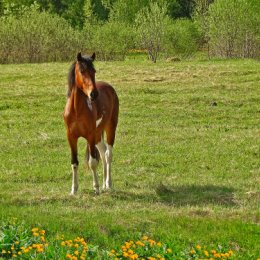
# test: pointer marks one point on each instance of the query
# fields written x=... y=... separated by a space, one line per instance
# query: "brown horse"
x=91 y=109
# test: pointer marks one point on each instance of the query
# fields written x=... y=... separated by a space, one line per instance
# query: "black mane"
x=86 y=63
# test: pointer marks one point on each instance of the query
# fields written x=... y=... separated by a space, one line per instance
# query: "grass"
x=186 y=158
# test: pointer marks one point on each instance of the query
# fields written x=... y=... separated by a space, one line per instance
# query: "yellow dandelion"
x=34 y=230
x=198 y=247
x=130 y=252
x=40 y=250
x=231 y=253
x=192 y=252
x=139 y=243
x=152 y=242
x=159 y=244
x=169 y=250
x=125 y=254
x=43 y=232
x=145 y=238
x=206 y=253
x=217 y=255
x=134 y=257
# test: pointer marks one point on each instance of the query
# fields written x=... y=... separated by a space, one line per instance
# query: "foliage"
x=36 y=36
x=234 y=28
x=151 y=24
x=74 y=10
x=125 y=11
x=19 y=241
x=182 y=39
x=110 y=40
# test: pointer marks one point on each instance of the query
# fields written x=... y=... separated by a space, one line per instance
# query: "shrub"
x=151 y=26
x=110 y=40
x=182 y=39
x=36 y=36
x=234 y=28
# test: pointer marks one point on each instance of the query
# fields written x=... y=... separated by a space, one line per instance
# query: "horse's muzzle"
x=93 y=95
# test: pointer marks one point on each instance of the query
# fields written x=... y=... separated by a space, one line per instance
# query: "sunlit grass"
x=186 y=157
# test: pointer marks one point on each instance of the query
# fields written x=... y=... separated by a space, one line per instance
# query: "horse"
x=91 y=110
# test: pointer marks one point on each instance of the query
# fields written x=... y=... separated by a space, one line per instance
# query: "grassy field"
x=186 y=158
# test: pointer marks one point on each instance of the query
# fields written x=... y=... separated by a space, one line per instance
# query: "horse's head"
x=85 y=75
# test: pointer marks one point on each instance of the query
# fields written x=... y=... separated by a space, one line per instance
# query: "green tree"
x=151 y=25
x=125 y=11
x=234 y=28
x=181 y=39
x=36 y=37
x=110 y=40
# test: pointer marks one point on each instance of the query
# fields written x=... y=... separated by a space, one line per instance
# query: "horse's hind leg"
x=110 y=131
x=93 y=164
x=102 y=150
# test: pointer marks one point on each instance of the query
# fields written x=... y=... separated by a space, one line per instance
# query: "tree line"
x=44 y=30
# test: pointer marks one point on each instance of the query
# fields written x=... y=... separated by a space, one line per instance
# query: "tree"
x=151 y=25
x=234 y=28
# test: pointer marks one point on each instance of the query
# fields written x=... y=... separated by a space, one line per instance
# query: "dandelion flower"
x=206 y=253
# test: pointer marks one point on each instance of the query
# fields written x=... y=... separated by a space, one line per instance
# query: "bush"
x=151 y=26
x=182 y=39
x=36 y=37
x=234 y=28
x=110 y=40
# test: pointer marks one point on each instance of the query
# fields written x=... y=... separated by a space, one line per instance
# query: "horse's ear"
x=93 y=56
x=79 y=57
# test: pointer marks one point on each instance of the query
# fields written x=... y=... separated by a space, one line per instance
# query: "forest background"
x=42 y=31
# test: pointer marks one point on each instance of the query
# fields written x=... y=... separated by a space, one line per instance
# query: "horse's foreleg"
x=74 y=164
x=93 y=165
x=102 y=149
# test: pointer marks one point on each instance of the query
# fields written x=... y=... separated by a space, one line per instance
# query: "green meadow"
x=185 y=163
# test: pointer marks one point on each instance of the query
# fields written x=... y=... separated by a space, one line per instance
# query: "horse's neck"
x=81 y=104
